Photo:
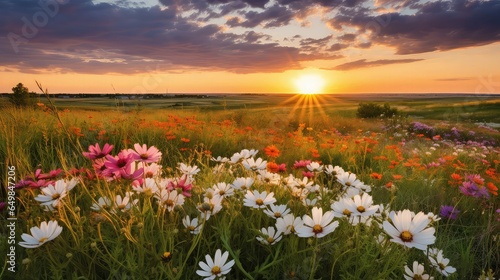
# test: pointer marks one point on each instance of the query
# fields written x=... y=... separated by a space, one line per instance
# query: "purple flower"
x=471 y=189
x=449 y=212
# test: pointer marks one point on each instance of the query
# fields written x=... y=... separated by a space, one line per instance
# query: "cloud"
x=434 y=26
x=85 y=37
x=363 y=63
x=453 y=79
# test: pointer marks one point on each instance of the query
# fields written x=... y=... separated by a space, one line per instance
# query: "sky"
x=251 y=46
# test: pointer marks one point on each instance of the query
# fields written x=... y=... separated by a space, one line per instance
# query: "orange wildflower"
x=492 y=188
x=273 y=167
x=397 y=176
x=185 y=140
x=376 y=176
x=272 y=151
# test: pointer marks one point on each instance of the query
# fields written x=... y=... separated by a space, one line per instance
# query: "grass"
x=415 y=173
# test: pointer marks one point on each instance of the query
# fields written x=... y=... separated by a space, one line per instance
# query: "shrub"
x=372 y=110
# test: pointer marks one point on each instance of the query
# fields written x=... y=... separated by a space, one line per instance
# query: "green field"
x=439 y=151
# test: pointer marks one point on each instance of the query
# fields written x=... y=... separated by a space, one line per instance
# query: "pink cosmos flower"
x=181 y=184
x=301 y=164
x=95 y=152
x=51 y=175
x=145 y=154
x=115 y=165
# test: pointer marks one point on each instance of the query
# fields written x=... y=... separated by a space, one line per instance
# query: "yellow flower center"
x=216 y=270
x=259 y=201
x=43 y=239
x=190 y=228
x=346 y=212
x=360 y=209
x=270 y=239
x=169 y=203
x=417 y=277
x=56 y=196
x=144 y=156
x=277 y=214
x=348 y=184
x=317 y=229
x=442 y=266
x=406 y=236
x=122 y=206
x=222 y=193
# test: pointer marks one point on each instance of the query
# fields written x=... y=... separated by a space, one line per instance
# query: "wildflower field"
x=297 y=190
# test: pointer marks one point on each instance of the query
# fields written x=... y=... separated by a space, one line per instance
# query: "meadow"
x=285 y=186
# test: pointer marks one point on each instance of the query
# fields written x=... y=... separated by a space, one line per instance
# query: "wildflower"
x=376 y=176
x=188 y=170
x=272 y=151
x=314 y=167
x=145 y=154
x=166 y=257
x=223 y=190
x=192 y=225
x=252 y=164
x=169 y=199
x=216 y=267
x=469 y=188
x=288 y=223
x=410 y=231
x=115 y=164
x=319 y=225
x=181 y=184
x=52 y=194
x=270 y=236
x=277 y=211
x=492 y=189
x=101 y=204
x=40 y=235
x=148 y=187
x=220 y=159
x=361 y=205
x=124 y=204
x=244 y=154
x=241 y=183
x=440 y=263
x=210 y=206
x=301 y=164
x=449 y=212
x=95 y=152
x=433 y=217
x=269 y=177
x=330 y=170
x=258 y=200
x=416 y=273
x=349 y=180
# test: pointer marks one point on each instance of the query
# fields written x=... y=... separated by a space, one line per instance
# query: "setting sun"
x=310 y=84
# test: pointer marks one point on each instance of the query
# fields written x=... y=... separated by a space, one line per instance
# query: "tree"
x=21 y=97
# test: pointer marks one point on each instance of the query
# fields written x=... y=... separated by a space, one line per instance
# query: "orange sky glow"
x=252 y=46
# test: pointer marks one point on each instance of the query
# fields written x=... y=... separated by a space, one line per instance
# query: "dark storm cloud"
x=87 y=38
x=274 y=16
x=435 y=26
x=363 y=63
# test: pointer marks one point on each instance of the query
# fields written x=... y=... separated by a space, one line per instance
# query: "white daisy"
x=222 y=189
x=440 y=263
x=277 y=211
x=254 y=165
x=416 y=273
x=315 y=167
x=216 y=267
x=258 y=200
x=188 y=170
x=330 y=170
x=270 y=236
x=362 y=205
x=410 y=231
x=102 y=204
x=124 y=204
x=288 y=223
x=319 y=225
x=40 y=235
x=52 y=194
x=241 y=183
x=192 y=225
x=169 y=199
